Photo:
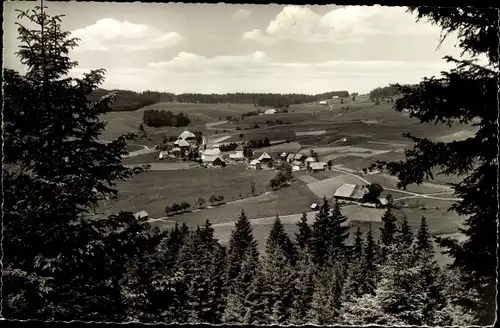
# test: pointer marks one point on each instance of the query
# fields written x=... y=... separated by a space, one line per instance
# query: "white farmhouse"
x=270 y=111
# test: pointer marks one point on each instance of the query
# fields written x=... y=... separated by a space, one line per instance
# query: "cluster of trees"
x=384 y=93
x=216 y=200
x=158 y=118
x=276 y=122
x=130 y=100
x=374 y=192
x=59 y=264
x=177 y=208
x=228 y=147
x=283 y=176
x=258 y=143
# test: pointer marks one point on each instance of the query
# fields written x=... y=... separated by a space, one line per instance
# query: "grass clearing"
x=152 y=191
x=290 y=200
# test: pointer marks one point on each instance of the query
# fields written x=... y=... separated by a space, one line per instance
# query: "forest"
x=61 y=263
x=159 y=118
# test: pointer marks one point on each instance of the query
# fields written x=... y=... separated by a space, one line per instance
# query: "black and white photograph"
x=248 y=164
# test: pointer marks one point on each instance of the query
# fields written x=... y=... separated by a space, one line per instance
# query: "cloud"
x=188 y=62
x=110 y=34
x=256 y=72
x=242 y=14
x=344 y=24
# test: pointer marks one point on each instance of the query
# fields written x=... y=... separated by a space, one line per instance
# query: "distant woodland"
x=130 y=100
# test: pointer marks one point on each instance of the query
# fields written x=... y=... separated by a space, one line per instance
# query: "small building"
x=310 y=160
x=141 y=215
x=265 y=158
x=187 y=136
x=323 y=102
x=283 y=156
x=344 y=192
x=350 y=192
x=295 y=168
x=382 y=202
x=297 y=163
x=210 y=152
x=270 y=111
x=314 y=207
x=214 y=160
x=255 y=165
x=317 y=166
x=299 y=157
x=182 y=144
x=237 y=154
x=335 y=97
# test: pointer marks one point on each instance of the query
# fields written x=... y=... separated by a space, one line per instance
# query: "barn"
x=255 y=165
x=270 y=111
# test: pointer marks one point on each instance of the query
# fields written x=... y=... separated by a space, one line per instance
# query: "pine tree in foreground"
x=279 y=238
x=387 y=233
x=64 y=266
x=442 y=100
x=304 y=288
x=369 y=265
x=241 y=244
x=304 y=236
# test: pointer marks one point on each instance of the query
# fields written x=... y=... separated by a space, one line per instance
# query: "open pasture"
x=296 y=198
x=152 y=191
x=390 y=181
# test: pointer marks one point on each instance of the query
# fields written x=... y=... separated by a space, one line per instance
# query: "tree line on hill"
x=384 y=93
x=130 y=100
x=60 y=263
x=159 y=118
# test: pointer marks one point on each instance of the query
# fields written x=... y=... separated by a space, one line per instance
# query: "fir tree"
x=327 y=297
x=424 y=244
x=59 y=265
x=358 y=245
x=387 y=232
x=329 y=234
x=405 y=233
x=304 y=288
x=442 y=100
x=279 y=238
x=369 y=267
x=241 y=244
x=355 y=279
x=303 y=238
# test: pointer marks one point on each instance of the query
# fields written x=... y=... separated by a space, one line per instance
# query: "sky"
x=221 y=48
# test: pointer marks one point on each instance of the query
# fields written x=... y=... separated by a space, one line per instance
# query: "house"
x=182 y=144
x=382 y=202
x=350 y=192
x=317 y=166
x=237 y=154
x=265 y=158
x=314 y=207
x=295 y=168
x=335 y=97
x=210 y=152
x=299 y=157
x=323 y=102
x=283 y=156
x=255 y=165
x=344 y=192
x=270 y=111
x=310 y=160
x=297 y=163
x=214 y=160
x=187 y=136
x=141 y=215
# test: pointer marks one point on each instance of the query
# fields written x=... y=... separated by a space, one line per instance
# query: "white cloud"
x=345 y=24
x=242 y=14
x=196 y=63
x=110 y=34
x=256 y=72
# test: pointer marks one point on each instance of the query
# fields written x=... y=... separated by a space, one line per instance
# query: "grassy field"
x=153 y=190
x=290 y=200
